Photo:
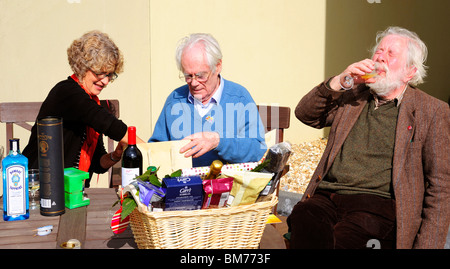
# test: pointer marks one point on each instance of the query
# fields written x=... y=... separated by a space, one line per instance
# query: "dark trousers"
x=333 y=221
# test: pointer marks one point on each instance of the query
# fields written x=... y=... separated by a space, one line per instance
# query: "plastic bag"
x=278 y=155
x=149 y=193
x=246 y=186
x=217 y=192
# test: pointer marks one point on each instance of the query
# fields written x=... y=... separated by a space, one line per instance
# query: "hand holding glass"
x=348 y=81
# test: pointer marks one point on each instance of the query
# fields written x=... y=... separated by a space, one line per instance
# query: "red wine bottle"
x=131 y=159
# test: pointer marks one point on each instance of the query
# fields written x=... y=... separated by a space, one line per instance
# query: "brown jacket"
x=421 y=163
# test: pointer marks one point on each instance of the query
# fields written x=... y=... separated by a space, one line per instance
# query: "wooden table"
x=90 y=225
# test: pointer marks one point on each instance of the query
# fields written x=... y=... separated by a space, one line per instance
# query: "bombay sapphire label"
x=17 y=190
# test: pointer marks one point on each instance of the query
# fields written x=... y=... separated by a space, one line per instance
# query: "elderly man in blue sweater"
x=217 y=117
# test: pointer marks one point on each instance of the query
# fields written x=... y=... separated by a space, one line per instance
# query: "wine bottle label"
x=16 y=189
x=129 y=175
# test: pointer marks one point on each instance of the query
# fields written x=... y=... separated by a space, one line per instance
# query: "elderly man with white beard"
x=384 y=178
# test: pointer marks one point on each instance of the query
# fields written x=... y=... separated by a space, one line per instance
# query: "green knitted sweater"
x=364 y=163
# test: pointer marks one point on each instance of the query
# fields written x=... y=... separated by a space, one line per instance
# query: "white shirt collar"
x=215 y=99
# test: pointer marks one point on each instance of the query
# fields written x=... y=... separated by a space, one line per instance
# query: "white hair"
x=417 y=51
x=211 y=49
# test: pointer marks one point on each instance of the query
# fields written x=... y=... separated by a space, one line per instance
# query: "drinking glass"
x=33 y=186
x=348 y=80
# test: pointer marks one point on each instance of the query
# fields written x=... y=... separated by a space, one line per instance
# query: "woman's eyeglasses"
x=100 y=76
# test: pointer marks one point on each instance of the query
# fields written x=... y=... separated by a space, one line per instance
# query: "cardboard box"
x=183 y=193
x=73 y=188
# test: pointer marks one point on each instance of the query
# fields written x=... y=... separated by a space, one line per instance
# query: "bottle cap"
x=216 y=165
x=14 y=144
x=131 y=135
x=152 y=168
x=214 y=169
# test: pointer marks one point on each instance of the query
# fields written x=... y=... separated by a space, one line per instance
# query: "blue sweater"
x=235 y=118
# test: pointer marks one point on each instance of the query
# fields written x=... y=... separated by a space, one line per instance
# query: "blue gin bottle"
x=15 y=184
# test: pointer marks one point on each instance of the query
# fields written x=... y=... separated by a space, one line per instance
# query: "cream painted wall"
x=34 y=37
x=274 y=48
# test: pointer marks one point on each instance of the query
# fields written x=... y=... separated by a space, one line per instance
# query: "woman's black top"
x=70 y=102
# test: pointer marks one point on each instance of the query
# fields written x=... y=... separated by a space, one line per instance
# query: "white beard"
x=385 y=85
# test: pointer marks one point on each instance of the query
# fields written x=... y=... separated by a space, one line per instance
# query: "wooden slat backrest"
x=22 y=113
x=275 y=117
x=113 y=106
x=19 y=113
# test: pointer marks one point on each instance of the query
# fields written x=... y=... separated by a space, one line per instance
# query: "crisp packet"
x=149 y=193
x=216 y=192
x=246 y=186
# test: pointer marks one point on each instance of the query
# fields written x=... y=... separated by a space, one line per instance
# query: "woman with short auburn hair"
x=95 y=60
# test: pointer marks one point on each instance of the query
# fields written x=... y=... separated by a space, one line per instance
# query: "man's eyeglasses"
x=100 y=76
x=201 y=77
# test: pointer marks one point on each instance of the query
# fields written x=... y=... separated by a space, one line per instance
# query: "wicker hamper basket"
x=223 y=228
